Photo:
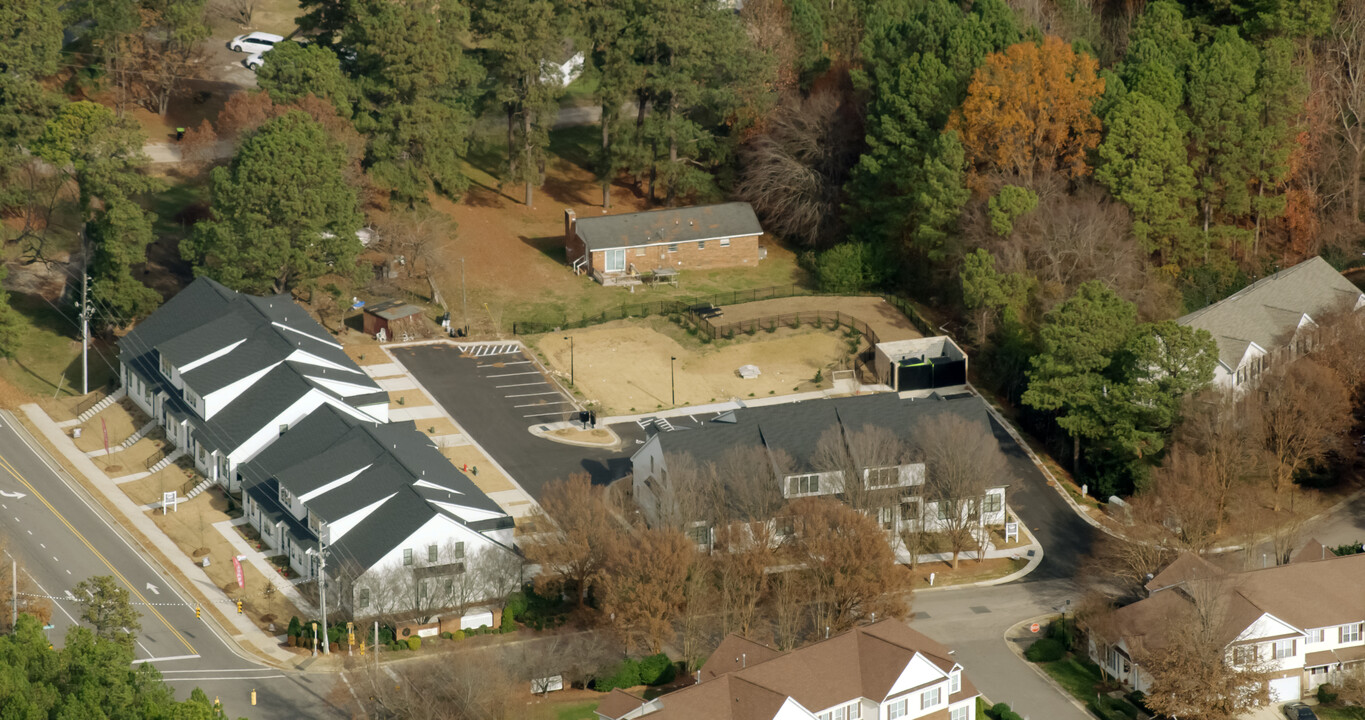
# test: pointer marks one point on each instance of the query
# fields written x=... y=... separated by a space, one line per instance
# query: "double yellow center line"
x=4 y=463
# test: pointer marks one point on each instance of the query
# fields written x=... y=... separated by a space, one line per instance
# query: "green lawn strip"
x=1080 y=678
x=49 y=352
x=578 y=710
x=1333 y=712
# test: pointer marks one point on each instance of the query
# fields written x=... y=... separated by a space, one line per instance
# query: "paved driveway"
x=496 y=398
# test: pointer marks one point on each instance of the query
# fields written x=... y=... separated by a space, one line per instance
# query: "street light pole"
x=672 y=386
x=464 y=298
x=322 y=594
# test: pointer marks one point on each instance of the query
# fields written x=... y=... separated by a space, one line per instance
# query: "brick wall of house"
x=742 y=251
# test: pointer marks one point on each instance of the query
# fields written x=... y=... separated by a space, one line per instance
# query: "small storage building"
x=396 y=319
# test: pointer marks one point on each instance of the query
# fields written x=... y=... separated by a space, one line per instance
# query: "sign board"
x=237 y=565
x=429 y=632
x=168 y=500
x=1033 y=628
x=1011 y=531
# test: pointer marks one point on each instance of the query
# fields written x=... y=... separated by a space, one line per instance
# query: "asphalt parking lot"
x=496 y=394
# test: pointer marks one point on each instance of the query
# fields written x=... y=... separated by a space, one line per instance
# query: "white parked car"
x=254 y=61
x=255 y=43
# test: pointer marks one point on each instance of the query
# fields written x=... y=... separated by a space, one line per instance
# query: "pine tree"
x=295 y=70
x=282 y=212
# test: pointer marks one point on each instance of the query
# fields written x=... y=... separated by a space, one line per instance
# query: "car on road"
x=1298 y=711
x=255 y=43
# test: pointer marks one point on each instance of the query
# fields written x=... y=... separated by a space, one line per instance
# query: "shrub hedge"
x=1045 y=650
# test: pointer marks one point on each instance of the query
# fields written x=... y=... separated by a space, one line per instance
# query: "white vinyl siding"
x=930 y=698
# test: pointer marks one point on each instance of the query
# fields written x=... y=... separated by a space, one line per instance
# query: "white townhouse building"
x=790 y=433
x=1272 y=320
x=270 y=406
x=882 y=671
x=1303 y=622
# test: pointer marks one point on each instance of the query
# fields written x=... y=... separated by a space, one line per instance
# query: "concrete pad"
x=514 y=502
x=421 y=412
x=394 y=384
x=383 y=370
x=443 y=441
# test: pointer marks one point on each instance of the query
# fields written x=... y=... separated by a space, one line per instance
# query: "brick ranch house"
x=617 y=249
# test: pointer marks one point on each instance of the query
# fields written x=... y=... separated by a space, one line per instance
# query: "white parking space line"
x=561 y=412
x=542 y=382
x=528 y=372
x=549 y=392
x=543 y=404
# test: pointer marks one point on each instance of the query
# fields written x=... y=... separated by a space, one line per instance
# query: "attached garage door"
x=1284 y=689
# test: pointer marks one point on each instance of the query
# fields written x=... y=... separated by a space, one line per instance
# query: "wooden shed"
x=396 y=319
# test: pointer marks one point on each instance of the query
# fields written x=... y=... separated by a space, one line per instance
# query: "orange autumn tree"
x=1029 y=108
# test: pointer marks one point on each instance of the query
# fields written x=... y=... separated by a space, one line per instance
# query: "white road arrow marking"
x=153 y=589
x=15 y=495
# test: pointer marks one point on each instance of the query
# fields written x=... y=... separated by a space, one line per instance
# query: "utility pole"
x=672 y=386
x=376 y=648
x=85 y=315
x=13 y=594
x=464 y=298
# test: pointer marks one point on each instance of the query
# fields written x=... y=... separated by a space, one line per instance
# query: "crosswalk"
x=661 y=423
x=484 y=350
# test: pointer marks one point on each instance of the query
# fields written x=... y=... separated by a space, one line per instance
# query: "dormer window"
x=166 y=368
x=285 y=498
x=954 y=682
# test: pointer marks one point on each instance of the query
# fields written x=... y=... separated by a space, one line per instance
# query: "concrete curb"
x=1019 y=574
x=183 y=570
x=615 y=444
x=1041 y=619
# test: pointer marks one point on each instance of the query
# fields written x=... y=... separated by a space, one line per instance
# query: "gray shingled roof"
x=675 y=225
x=795 y=428
x=1268 y=311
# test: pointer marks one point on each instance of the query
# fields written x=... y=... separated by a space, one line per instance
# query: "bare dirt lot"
x=888 y=322
x=625 y=365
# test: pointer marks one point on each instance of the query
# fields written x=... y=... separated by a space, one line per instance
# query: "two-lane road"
x=60 y=538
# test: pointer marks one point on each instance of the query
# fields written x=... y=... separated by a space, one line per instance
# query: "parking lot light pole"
x=672 y=386
x=570 y=339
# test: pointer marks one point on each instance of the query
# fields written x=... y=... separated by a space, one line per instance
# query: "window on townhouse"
x=725 y=242
x=1244 y=654
x=883 y=477
x=407 y=556
x=851 y=711
x=672 y=247
x=959 y=713
x=955 y=682
x=942 y=506
x=1317 y=636
x=699 y=535
x=432 y=553
x=896 y=709
x=166 y=368
x=362 y=599
x=459 y=550
x=1350 y=633
x=285 y=498
x=1284 y=649
x=992 y=503
x=886 y=517
x=701 y=244
x=930 y=698
x=803 y=484
x=784 y=526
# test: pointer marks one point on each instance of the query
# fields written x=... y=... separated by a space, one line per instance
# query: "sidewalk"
x=841 y=388
x=1033 y=550
x=241 y=630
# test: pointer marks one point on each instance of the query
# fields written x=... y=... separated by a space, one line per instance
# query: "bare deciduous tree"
x=574 y=525
x=868 y=460
x=696 y=621
x=849 y=571
x=236 y=11
x=1345 y=63
x=459 y=686
x=743 y=555
x=960 y=459
x=793 y=174
x=685 y=493
x=1305 y=414
x=1194 y=673
x=1127 y=563
x=750 y=484
x=643 y=583
x=786 y=607
x=416 y=236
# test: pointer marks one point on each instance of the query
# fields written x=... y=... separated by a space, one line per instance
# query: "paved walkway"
x=167 y=152
x=242 y=630
x=383 y=370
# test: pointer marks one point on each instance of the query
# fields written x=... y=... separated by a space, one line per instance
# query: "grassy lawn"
x=1331 y=712
x=577 y=710
x=1077 y=676
x=580 y=91
x=49 y=355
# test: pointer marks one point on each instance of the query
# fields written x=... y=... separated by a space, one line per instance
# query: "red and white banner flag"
x=237 y=565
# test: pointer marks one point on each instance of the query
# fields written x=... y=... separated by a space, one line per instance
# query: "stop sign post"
x=1033 y=628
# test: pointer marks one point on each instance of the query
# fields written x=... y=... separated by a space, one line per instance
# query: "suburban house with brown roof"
x=883 y=671
x=619 y=249
x=1302 y=622
x=1272 y=320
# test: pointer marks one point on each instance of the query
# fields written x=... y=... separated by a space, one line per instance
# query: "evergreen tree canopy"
x=283 y=214
x=293 y=71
